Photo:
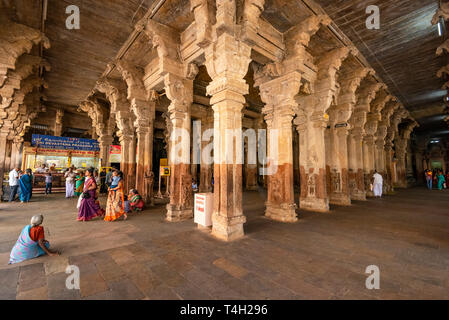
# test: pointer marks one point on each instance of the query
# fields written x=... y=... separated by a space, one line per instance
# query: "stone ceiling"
x=402 y=52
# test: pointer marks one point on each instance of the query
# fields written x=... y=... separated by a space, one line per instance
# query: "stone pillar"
x=59 y=122
x=410 y=177
x=368 y=163
x=313 y=194
x=141 y=132
x=250 y=174
x=105 y=142
x=227 y=61
x=207 y=123
x=132 y=164
x=126 y=141
x=340 y=188
x=3 y=142
x=357 y=183
x=296 y=178
x=419 y=165
x=388 y=179
x=400 y=148
x=148 y=162
x=9 y=147
x=380 y=161
x=279 y=96
x=280 y=203
x=16 y=154
x=180 y=92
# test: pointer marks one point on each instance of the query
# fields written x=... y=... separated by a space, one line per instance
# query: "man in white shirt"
x=377 y=185
x=13 y=183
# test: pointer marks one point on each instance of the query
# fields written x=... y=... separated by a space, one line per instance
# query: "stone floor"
x=322 y=256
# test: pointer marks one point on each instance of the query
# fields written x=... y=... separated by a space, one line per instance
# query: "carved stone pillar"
x=59 y=122
x=313 y=194
x=3 y=142
x=105 y=143
x=380 y=161
x=388 y=179
x=206 y=169
x=16 y=154
x=141 y=132
x=400 y=148
x=410 y=177
x=227 y=61
x=357 y=183
x=340 y=186
x=126 y=143
x=368 y=163
x=250 y=173
x=180 y=93
x=419 y=165
x=279 y=97
x=145 y=114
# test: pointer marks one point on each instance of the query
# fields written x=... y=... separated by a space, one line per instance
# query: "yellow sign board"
x=165 y=171
x=163 y=162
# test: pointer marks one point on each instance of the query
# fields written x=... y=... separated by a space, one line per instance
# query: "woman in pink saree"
x=90 y=206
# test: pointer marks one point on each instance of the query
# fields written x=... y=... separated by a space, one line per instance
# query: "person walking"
x=109 y=179
x=79 y=183
x=26 y=186
x=377 y=184
x=48 y=182
x=440 y=179
x=13 y=183
x=103 y=187
x=89 y=206
x=70 y=183
x=115 y=206
x=429 y=178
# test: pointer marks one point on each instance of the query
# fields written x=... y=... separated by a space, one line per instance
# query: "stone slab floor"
x=322 y=256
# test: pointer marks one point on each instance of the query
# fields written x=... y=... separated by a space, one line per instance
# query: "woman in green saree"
x=79 y=183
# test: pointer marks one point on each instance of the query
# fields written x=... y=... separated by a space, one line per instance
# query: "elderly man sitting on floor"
x=31 y=242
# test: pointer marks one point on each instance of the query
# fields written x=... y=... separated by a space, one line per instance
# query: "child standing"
x=48 y=182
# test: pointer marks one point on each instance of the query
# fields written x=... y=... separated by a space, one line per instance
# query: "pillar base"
x=340 y=199
x=227 y=228
x=175 y=214
x=358 y=195
x=285 y=212
x=314 y=204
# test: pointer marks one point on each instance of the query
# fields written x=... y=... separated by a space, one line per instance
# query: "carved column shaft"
x=279 y=96
x=3 y=142
x=180 y=93
x=312 y=162
x=206 y=169
x=227 y=61
x=105 y=143
x=368 y=162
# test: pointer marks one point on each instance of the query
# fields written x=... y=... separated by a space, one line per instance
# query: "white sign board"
x=204 y=205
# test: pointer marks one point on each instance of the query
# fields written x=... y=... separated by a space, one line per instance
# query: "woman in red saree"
x=115 y=207
x=90 y=206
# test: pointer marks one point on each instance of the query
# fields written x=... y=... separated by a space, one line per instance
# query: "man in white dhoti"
x=69 y=183
x=377 y=185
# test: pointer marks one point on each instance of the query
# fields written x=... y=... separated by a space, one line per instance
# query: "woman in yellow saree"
x=115 y=207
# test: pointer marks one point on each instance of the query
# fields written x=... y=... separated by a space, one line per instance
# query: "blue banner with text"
x=65 y=143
